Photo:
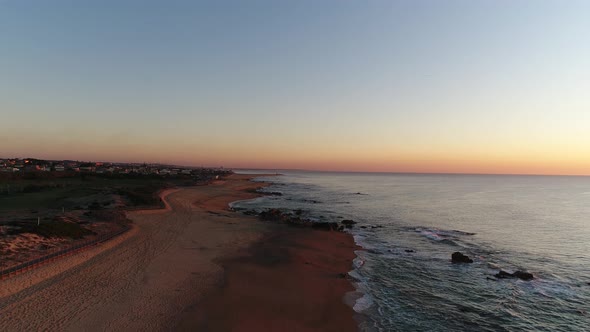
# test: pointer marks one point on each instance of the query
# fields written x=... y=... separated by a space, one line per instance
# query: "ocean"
x=410 y=224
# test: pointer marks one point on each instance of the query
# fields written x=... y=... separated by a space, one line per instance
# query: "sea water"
x=409 y=225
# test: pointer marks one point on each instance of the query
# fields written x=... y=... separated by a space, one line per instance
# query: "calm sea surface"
x=407 y=282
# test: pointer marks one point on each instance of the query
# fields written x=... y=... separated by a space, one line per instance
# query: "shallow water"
x=539 y=224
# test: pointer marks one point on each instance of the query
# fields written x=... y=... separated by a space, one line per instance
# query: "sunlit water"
x=533 y=223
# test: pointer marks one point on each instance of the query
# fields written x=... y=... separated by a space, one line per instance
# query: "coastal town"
x=32 y=165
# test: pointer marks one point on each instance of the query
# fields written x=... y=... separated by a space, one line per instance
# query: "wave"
x=441 y=232
x=363 y=303
x=446 y=236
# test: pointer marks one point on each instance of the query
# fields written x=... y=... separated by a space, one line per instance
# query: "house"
x=59 y=168
x=87 y=167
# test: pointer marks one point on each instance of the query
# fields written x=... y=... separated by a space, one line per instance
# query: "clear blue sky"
x=465 y=86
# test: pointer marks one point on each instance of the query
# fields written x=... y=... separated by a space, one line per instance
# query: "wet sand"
x=291 y=280
x=183 y=268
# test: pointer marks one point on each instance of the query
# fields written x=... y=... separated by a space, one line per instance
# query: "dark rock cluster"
x=522 y=275
x=276 y=215
x=458 y=257
x=348 y=223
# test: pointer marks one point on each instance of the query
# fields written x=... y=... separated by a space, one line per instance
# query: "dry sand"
x=158 y=276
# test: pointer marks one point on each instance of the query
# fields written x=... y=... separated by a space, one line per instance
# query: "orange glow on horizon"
x=322 y=157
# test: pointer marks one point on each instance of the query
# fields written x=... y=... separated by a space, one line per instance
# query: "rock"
x=458 y=257
x=250 y=213
x=341 y=275
x=503 y=274
x=328 y=226
x=409 y=250
x=271 y=215
x=522 y=275
x=276 y=215
x=363 y=226
x=348 y=222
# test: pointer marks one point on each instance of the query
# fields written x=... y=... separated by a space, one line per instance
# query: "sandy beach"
x=192 y=266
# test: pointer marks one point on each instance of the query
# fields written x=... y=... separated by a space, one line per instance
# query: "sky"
x=388 y=86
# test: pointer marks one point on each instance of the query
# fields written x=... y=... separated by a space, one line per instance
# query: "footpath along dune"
x=154 y=277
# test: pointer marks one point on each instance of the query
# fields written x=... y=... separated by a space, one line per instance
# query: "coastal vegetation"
x=43 y=211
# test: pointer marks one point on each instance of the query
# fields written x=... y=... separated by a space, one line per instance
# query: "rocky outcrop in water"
x=522 y=275
x=458 y=257
x=324 y=225
x=277 y=215
x=348 y=223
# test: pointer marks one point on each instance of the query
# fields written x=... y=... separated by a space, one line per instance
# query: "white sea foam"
x=431 y=235
x=358 y=262
x=234 y=204
x=363 y=303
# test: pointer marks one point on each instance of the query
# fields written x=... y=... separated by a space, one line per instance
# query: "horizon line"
x=402 y=173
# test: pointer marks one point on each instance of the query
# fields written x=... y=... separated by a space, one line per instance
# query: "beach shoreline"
x=291 y=279
x=171 y=268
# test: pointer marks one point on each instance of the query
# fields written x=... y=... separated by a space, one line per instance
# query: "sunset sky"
x=401 y=86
